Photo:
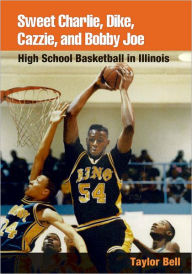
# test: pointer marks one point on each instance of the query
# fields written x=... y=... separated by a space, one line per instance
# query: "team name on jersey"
x=20 y=212
x=94 y=173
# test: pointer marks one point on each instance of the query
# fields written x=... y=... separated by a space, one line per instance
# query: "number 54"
x=98 y=193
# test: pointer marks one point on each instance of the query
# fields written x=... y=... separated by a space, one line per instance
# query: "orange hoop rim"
x=5 y=95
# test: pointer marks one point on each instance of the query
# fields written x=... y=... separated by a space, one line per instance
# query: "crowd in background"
x=177 y=178
x=143 y=180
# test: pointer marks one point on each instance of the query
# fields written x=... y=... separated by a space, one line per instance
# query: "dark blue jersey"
x=95 y=185
x=21 y=227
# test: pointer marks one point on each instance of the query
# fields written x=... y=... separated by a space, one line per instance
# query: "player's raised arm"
x=142 y=247
x=70 y=124
x=53 y=218
x=127 y=116
x=43 y=151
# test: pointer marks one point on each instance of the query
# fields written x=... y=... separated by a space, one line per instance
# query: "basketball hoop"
x=30 y=108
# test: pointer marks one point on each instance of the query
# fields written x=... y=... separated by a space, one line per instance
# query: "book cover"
x=51 y=51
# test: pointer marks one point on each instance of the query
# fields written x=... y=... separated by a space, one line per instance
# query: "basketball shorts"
x=106 y=238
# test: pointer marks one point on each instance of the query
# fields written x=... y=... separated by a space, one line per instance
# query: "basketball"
x=113 y=74
x=112 y=77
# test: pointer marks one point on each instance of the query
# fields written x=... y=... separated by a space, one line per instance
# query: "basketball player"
x=51 y=261
x=32 y=215
x=94 y=176
x=51 y=243
x=162 y=234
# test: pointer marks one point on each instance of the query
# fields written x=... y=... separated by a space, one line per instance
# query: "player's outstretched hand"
x=126 y=74
x=101 y=83
x=59 y=113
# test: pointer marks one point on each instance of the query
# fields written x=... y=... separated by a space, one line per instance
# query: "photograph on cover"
x=110 y=102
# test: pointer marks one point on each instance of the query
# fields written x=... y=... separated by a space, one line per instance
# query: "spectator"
x=18 y=168
x=175 y=186
x=144 y=157
x=130 y=192
x=4 y=170
x=18 y=177
x=175 y=164
x=134 y=195
x=50 y=163
x=60 y=169
x=125 y=177
x=144 y=177
x=179 y=157
x=187 y=193
x=133 y=170
x=154 y=172
x=5 y=177
x=150 y=193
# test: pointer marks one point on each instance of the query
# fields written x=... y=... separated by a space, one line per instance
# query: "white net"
x=31 y=109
